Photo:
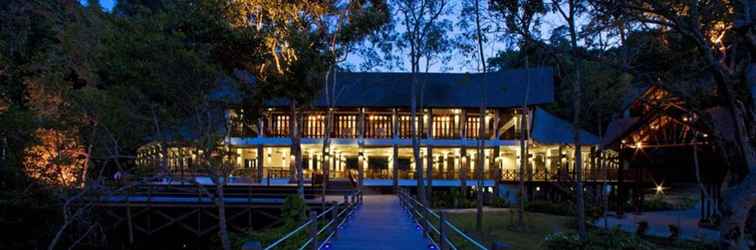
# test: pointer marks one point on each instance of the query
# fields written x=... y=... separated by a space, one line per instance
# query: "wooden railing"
x=331 y=219
x=562 y=175
x=444 y=234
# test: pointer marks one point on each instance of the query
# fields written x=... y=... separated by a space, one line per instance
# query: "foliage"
x=56 y=159
x=674 y=232
x=293 y=213
x=547 y=207
x=614 y=240
x=453 y=198
x=499 y=202
x=642 y=228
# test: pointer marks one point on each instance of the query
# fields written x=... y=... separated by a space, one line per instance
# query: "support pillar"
x=260 y=162
x=395 y=169
x=429 y=162
x=464 y=162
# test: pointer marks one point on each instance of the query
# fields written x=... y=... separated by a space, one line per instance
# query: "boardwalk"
x=380 y=224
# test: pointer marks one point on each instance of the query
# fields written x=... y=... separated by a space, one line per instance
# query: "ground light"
x=659 y=189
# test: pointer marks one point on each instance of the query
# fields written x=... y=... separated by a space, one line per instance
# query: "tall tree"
x=479 y=30
x=522 y=18
x=570 y=11
x=417 y=28
x=298 y=39
x=722 y=35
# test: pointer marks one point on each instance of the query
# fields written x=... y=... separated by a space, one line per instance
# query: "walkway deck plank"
x=380 y=223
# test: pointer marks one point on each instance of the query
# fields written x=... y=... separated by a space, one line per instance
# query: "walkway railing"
x=438 y=228
x=317 y=237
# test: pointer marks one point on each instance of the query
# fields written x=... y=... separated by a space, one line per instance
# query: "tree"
x=417 y=28
x=298 y=40
x=721 y=35
x=522 y=18
x=472 y=42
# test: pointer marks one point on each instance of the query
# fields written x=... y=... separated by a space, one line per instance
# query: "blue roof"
x=502 y=89
x=549 y=129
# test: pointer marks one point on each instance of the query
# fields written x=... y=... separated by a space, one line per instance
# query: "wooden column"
x=395 y=149
x=260 y=162
x=463 y=152
x=429 y=165
x=496 y=120
x=430 y=124
x=464 y=163
x=360 y=142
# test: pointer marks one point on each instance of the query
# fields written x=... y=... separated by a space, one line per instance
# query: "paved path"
x=380 y=223
x=658 y=221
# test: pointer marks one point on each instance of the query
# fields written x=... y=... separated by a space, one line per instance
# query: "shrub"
x=500 y=202
x=293 y=212
x=613 y=240
x=642 y=228
x=657 y=203
x=546 y=207
x=674 y=232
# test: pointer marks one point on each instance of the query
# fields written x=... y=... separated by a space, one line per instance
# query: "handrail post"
x=335 y=226
x=442 y=230
x=314 y=230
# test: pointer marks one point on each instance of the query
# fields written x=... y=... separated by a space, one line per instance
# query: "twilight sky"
x=457 y=63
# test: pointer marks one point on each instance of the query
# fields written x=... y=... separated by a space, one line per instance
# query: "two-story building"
x=371 y=135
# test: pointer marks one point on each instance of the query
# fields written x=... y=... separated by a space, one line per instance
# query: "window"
x=378 y=126
x=346 y=126
x=280 y=126
x=473 y=127
x=443 y=127
x=314 y=126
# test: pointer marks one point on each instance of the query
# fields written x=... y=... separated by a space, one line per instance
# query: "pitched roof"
x=618 y=128
x=549 y=129
x=502 y=89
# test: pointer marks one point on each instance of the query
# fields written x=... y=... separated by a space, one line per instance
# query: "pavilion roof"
x=549 y=129
x=502 y=89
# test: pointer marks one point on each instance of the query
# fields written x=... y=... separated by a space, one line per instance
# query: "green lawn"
x=496 y=227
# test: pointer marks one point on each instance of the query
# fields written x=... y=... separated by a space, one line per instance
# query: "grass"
x=496 y=227
x=497 y=224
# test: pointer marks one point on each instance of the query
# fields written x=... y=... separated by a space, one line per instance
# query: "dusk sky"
x=460 y=64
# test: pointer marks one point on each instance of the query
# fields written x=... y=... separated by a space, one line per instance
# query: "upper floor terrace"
x=377 y=106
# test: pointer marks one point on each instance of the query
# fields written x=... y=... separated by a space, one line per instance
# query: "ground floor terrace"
x=379 y=163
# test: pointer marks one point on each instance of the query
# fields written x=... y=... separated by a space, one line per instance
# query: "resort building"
x=371 y=135
x=662 y=143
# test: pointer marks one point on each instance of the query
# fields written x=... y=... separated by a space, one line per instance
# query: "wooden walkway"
x=380 y=223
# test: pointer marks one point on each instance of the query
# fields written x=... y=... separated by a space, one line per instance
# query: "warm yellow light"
x=639 y=145
x=659 y=189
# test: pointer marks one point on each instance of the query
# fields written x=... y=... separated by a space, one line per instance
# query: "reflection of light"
x=538 y=189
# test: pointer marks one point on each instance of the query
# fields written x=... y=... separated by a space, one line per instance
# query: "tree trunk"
x=416 y=141
x=296 y=147
x=523 y=163
x=482 y=129
x=222 y=226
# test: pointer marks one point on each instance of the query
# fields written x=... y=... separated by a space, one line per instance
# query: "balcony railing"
x=376 y=125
